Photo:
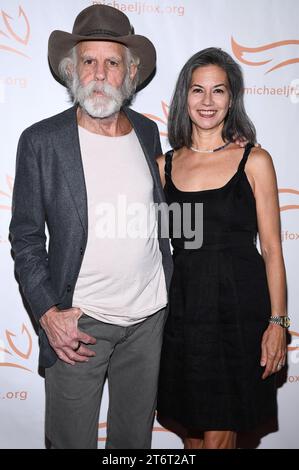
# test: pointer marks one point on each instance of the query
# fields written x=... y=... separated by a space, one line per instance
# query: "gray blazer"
x=50 y=189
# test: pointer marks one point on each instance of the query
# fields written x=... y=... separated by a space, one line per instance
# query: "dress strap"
x=168 y=163
x=245 y=157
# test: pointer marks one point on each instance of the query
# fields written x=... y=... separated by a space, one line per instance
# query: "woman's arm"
x=262 y=175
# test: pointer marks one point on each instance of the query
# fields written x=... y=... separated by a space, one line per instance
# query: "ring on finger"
x=76 y=349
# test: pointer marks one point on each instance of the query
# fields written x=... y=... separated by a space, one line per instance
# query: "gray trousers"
x=129 y=357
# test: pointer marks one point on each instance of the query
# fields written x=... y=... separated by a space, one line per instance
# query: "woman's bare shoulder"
x=260 y=154
x=259 y=159
x=260 y=165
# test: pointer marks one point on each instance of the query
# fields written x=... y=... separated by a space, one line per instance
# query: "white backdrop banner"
x=263 y=36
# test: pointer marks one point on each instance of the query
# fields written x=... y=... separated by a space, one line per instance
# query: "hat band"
x=101 y=32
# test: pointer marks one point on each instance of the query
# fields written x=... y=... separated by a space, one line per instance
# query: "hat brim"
x=61 y=42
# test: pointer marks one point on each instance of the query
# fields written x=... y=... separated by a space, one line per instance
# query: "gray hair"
x=237 y=124
x=68 y=65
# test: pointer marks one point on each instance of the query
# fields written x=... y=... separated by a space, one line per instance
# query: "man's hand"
x=61 y=327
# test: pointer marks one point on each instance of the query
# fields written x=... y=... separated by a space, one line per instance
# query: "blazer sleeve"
x=27 y=231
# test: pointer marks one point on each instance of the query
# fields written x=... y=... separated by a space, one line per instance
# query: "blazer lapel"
x=72 y=166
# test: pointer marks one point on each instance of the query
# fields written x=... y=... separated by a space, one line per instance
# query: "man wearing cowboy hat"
x=99 y=300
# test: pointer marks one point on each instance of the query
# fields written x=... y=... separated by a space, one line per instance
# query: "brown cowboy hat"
x=102 y=23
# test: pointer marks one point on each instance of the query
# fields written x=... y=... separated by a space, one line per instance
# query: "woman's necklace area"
x=209 y=151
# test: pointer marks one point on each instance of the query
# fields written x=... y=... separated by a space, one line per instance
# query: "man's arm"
x=27 y=231
x=28 y=240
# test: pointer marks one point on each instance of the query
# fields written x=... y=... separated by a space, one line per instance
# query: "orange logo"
x=254 y=52
x=15 y=351
x=14 y=39
x=165 y=110
x=296 y=335
x=9 y=182
x=288 y=206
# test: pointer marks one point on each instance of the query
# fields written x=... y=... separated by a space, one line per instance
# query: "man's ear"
x=133 y=71
x=70 y=69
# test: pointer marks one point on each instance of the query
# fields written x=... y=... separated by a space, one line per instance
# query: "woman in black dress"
x=225 y=334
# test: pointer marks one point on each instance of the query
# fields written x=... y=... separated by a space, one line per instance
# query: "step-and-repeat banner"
x=263 y=37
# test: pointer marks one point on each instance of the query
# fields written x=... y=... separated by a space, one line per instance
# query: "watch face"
x=286 y=322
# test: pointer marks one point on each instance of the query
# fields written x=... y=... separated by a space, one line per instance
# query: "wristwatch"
x=283 y=321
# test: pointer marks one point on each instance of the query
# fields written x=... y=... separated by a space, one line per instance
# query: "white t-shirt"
x=121 y=280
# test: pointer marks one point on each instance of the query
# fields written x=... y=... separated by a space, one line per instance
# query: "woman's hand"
x=274 y=349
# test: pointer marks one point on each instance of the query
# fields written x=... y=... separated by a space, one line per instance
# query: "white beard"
x=99 y=106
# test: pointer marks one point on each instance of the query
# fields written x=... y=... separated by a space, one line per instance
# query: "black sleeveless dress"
x=219 y=307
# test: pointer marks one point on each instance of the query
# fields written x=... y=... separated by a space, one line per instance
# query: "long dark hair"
x=237 y=124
